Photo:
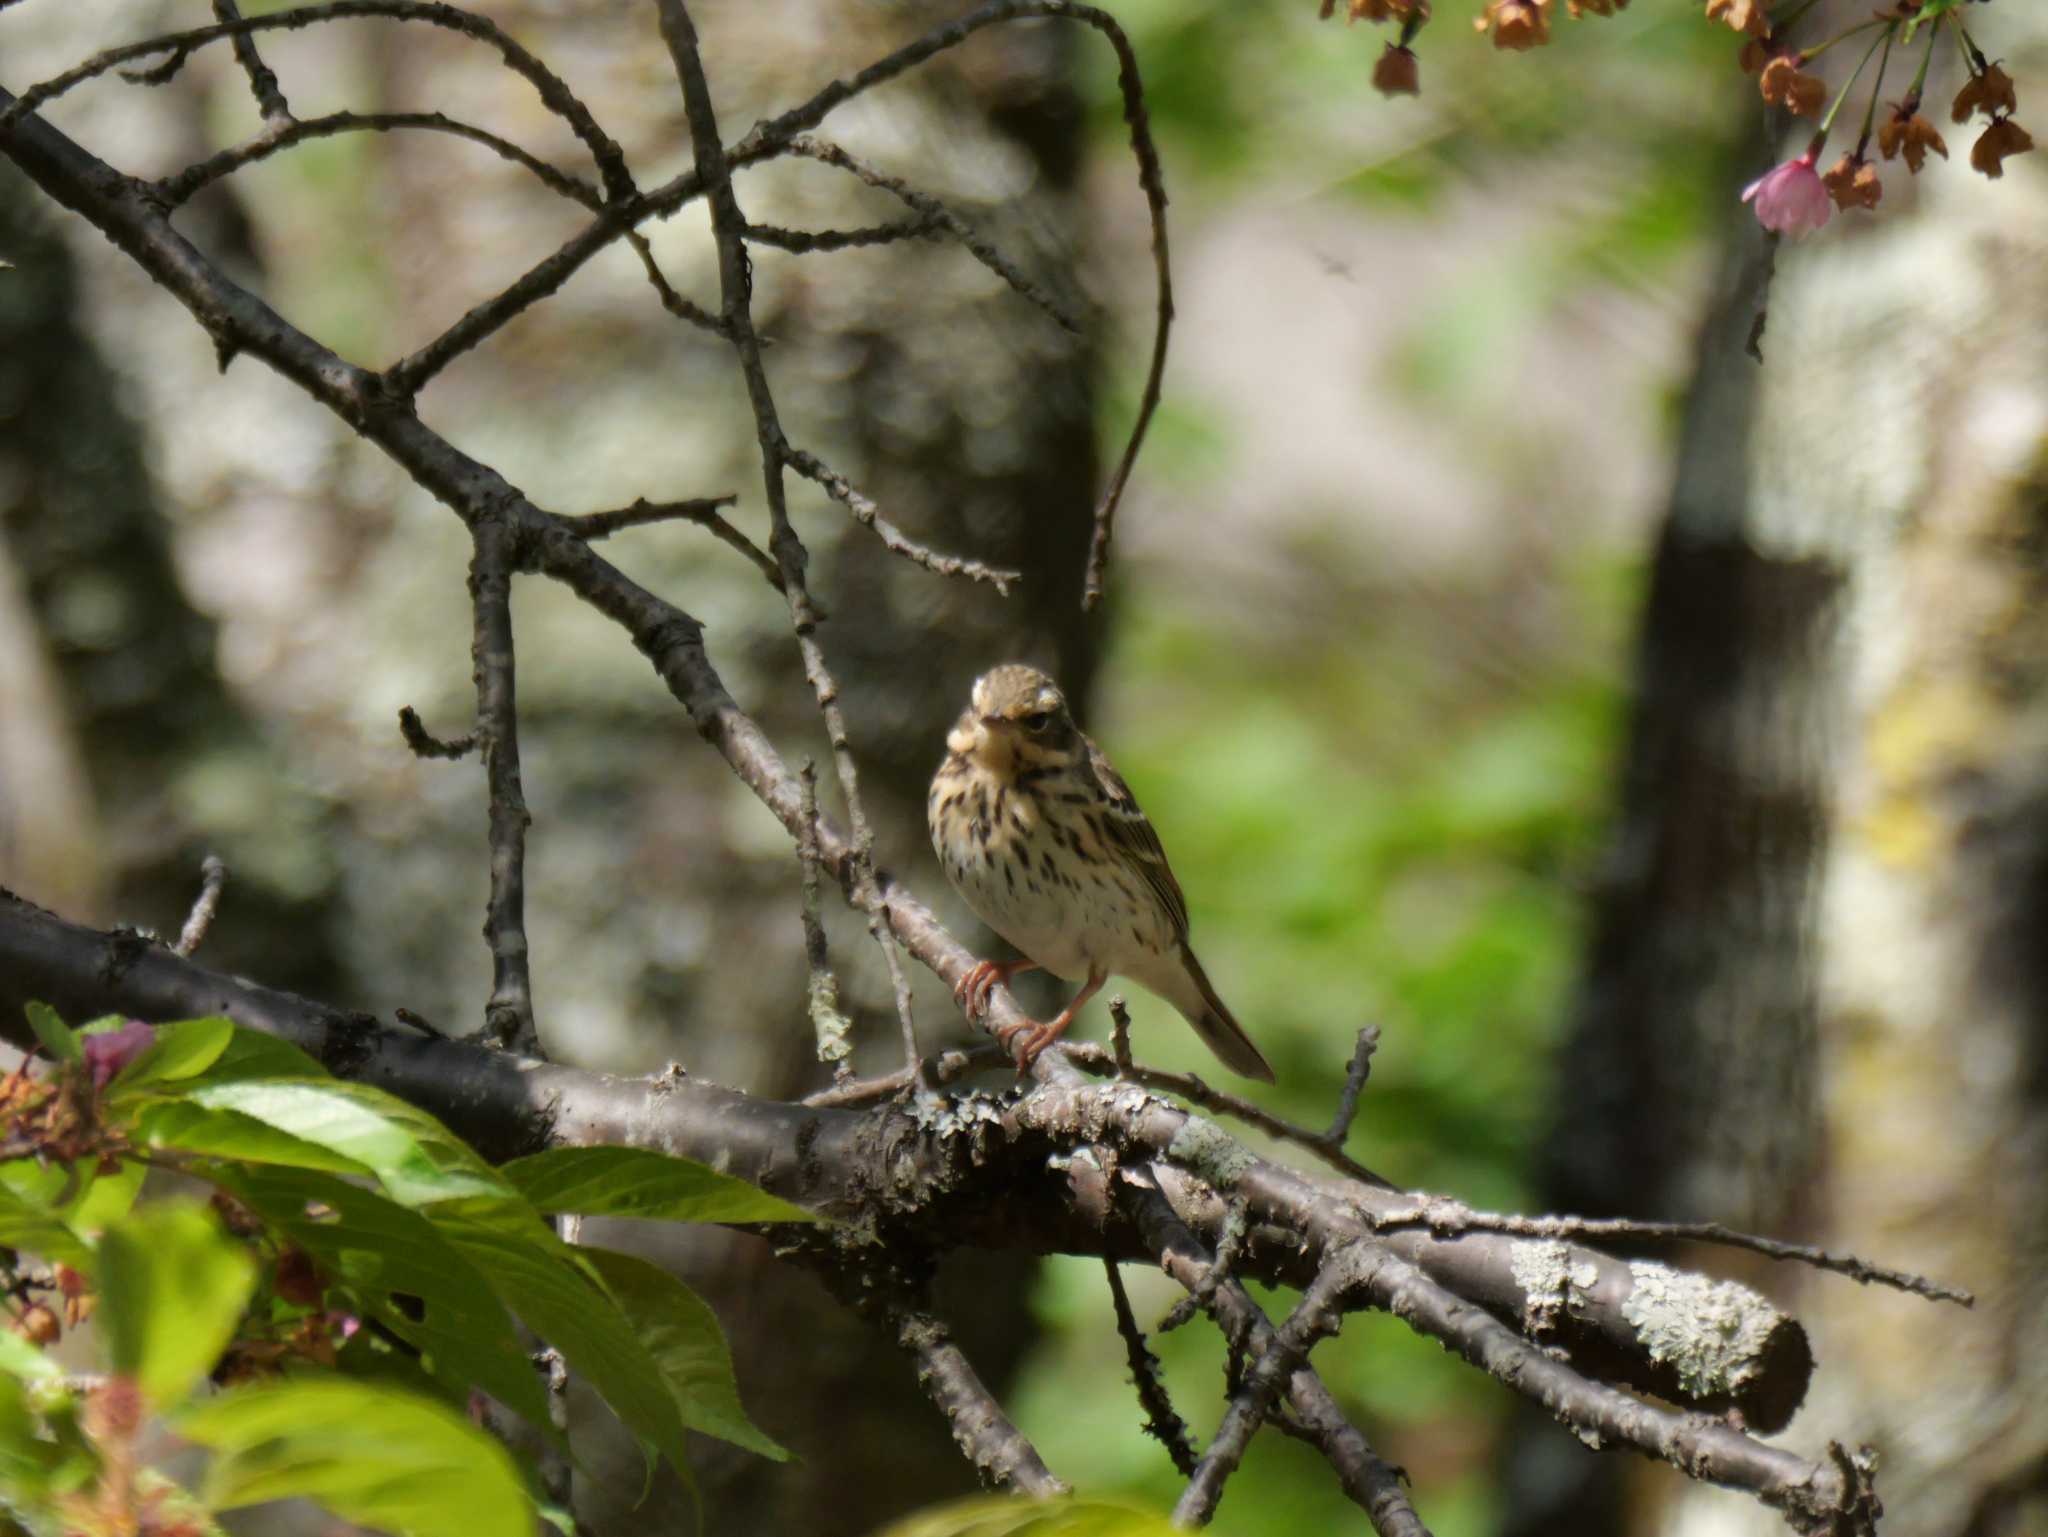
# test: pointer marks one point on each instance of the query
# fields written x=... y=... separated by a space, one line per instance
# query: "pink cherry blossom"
x=111 y=1050
x=1790 y=198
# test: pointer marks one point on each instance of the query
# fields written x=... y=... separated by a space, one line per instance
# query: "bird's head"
x=1016 y=718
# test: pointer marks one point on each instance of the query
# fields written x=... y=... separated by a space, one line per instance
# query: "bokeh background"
x=1647 y=741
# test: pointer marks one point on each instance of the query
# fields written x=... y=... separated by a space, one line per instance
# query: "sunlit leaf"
x=57 y=1037
x=181 y=1050
x=637 y=1182
x=415 y=1157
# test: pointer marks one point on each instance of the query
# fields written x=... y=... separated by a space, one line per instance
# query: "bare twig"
x=992 y=1443
x=949 y=1066
x=179 y=46
x=804 y=242
x=933 y=212
x=180 y=187
x=1316 y=1317
x=1229 y=1245
x=1355 y=1074
x=703 y=511
x=1446 y=1218
x=425 y=745
x=270 y=102
x=1371 y=1483
x=1092 y=1058
x=686 y=310
x=213 y=876
x=1119 y=1039
x=1162 y=1424
x=899 y=983
x=508 y=1014
x=866 y=513
x=828 y=1022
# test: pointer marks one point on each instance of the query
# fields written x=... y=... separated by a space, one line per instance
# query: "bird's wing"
x=1132 y=838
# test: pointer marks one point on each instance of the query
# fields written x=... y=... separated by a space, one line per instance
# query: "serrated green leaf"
x=181 y=1050
x=983 y=1516
x=415 y=1157
x=24 y=1225
x=638 y=1182
x=172 y=1289
x=376 y=1250
x=179 y=1125
x=559 y=1295
x=682 y=1337
x=57 y=1037
x=370 y=1454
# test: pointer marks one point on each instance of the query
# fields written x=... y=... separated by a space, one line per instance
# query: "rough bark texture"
x=1815 y=1000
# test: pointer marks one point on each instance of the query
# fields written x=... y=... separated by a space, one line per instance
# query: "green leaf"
x=172 y=1289
x=22 y=1362
x=23 y=1225
x=78 y=1195
x=378 y=1250
x=56 y=1036
x=181 y=1050
x=181 y=1126
x=681 y=1336
x=637 y=1182
x=558 y=1293
x=253 y=1054
x=415 y=1157
x=983 y=1516
x=371 y=1454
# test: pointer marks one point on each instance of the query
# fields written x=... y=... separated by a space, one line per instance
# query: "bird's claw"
x=1026 y=1042
x=971 y=991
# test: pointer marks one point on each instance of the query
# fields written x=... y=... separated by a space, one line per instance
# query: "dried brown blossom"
x=1909 y=134
x=1999 y=143
x=1785 y=84
x=1853 y=183
x=1990 y=93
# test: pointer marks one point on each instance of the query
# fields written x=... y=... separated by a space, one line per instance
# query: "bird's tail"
x=1214 y=1024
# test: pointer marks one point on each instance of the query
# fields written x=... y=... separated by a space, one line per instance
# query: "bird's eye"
x=1038 y=720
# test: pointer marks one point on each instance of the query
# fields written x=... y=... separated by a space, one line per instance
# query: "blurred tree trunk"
x=1815 y=1000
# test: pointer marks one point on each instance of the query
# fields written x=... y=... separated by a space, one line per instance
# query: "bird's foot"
x=1026 y=1041
x=971 y=991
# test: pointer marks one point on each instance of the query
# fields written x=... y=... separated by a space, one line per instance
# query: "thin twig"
x=1119 y=1036
x=702 y=511
x=1229 y=1245
x=899 y=983
x=426 y=745
x=866 y=513
x=270 y=102
x=213 y=876
x=934 y=212
x=1316 y=1317
x=828 y=1022
x=1093 y=1058
x=508 y=1014
x=1162 y=1424
x=1355 y=1074
x=1446 y=1218
x=554 y=92
x=991 y=1441
x=805 y=242
x=948 y=1066
x=1370 y=1482
x=179 y=188
x=686 y=310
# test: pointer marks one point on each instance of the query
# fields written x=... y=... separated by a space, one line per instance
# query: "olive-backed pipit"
x=1045 y=842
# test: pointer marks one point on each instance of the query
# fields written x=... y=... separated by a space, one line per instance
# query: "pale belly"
x=1069 y=919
